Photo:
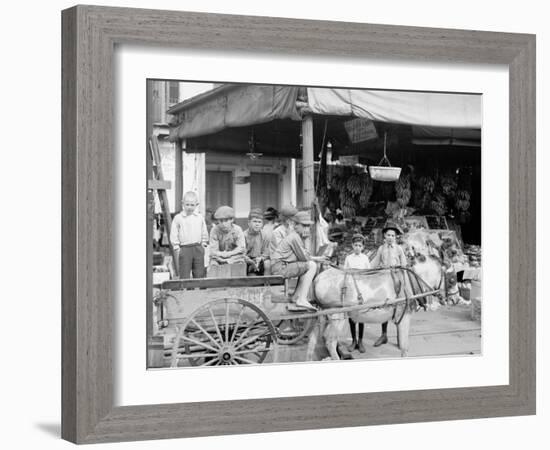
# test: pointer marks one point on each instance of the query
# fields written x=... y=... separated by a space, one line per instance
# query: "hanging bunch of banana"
x=353 y=184
x=463 y=194
x=429 y=184
x=439 y=204
x=366 y=190
x=347 y=203
x=403 y=190
x=323 y=196
x=462 y=200
x=447 y=181
x=423 y=194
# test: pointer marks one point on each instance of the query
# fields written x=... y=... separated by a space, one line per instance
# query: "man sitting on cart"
x=291 y=259
x=279 y=232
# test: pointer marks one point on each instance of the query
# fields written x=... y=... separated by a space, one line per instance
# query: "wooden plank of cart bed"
x=178 y=285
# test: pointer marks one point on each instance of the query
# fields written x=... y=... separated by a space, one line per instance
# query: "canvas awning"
x=234 y=106
x=404 y=107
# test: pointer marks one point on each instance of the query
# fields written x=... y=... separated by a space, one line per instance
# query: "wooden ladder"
x=160 y=185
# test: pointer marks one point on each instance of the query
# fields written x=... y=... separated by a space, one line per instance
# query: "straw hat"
x=392 y=226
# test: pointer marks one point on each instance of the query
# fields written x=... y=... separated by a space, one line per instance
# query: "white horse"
x=339 y=288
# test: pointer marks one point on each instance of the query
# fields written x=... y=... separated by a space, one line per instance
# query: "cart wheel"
x=224 y=332
x=291 y=331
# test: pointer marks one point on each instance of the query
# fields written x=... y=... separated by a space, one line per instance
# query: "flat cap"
x=288 y=211
x=255 y=213
x=224 y=212
x=302 y=217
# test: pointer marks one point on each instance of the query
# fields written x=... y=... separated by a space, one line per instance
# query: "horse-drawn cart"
x=233 y=321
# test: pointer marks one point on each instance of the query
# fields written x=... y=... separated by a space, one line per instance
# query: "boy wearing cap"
x=227 y=243
x=357 y=260
x=189 y=236
x=256 y=244
x=291 y=259
x=389 y=254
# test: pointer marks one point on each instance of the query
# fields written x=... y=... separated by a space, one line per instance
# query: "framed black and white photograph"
x=293 y=223
x=267 y=230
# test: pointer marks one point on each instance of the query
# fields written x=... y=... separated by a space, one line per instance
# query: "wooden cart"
x=232 y=321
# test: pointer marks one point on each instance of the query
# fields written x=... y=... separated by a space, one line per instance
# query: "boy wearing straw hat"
x=389 y=254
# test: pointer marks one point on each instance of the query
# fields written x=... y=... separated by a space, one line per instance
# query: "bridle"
x=443 y=285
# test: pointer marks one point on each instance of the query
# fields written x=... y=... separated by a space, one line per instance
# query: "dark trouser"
x=191 y=260
x=251 y=269
x=352 y=328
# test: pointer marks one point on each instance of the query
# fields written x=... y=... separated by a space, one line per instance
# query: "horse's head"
x=437 y=272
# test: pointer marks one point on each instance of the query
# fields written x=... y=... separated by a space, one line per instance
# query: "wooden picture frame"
x=90 y=34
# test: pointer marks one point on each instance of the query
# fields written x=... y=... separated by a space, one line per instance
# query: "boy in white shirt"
x=189 y=237
x=357 y=260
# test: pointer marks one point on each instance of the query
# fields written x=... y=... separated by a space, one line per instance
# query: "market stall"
x=336 y=135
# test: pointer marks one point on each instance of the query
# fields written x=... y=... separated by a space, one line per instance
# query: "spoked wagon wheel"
x=224 y=332
x=291 y=331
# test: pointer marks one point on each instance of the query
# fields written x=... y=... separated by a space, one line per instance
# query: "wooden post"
x=163 y=197
x=308 y=174
x=308 y=182
x=178 y=176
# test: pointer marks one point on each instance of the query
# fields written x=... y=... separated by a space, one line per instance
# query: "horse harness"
x=420 y=283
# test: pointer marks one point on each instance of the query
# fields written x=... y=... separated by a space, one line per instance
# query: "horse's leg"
x=403 y=334
x=383 y=339
x=313 y=338
x=332 y=335
x=332 y=346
